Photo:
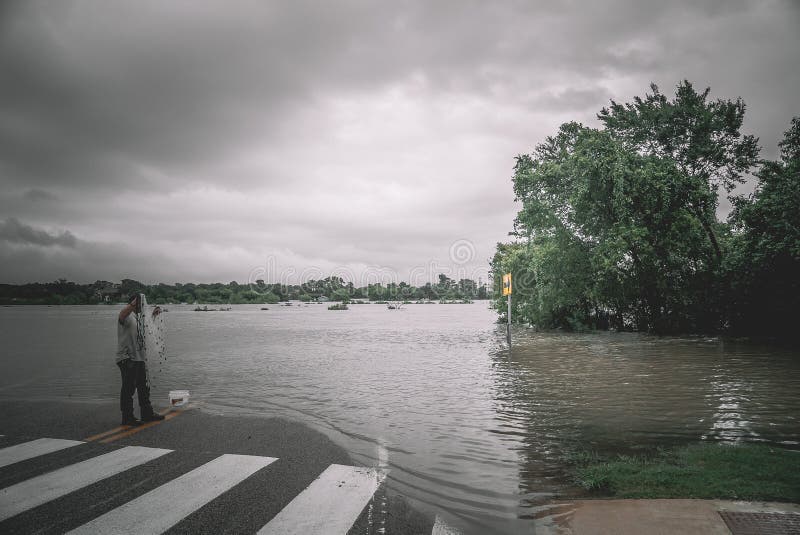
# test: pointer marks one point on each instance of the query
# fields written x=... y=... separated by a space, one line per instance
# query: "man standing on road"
x=132 y=362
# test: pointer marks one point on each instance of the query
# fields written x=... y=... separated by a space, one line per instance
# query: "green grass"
x=741 y=472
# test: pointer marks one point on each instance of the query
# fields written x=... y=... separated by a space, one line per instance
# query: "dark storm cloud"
x=131 y=81
x=97 y=92
x=210 y=136
x=93 y=90
x=11 y=230
x=36 y=194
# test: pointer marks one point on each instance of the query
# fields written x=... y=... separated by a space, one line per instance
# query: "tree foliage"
x=335 y=288
x=701 y=138
x=764 y=271
x=613 y=239
x=618 y=225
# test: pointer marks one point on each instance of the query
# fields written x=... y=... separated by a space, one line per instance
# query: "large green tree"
x=620 y=222
x=612 y=237
x=701 y=137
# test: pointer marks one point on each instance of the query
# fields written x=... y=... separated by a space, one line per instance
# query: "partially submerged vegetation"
x=619 y=230
x=740 y=472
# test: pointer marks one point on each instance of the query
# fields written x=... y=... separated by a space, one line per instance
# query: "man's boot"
x=152 y=417
x=130 y=419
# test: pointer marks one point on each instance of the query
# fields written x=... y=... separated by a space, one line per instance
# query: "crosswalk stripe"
x=34 y=448
x=330 y=505
x=165 y=506
x=41 y=489
x=440 y=528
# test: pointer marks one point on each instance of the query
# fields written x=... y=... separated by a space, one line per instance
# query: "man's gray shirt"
x=127 y=345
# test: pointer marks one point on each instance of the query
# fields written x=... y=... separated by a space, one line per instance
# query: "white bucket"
x=178 y=398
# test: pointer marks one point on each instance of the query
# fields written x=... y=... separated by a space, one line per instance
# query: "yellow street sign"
x=507 y=284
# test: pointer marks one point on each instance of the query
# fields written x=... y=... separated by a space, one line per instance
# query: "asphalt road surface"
x=70 y=467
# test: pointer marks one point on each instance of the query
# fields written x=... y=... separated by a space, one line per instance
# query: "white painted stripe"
x=41 y=489
x=378 y=508
x=165 y=506
x=329 y=506
x=440 y=528
x=34 y=448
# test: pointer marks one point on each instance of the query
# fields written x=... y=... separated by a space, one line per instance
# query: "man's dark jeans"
x=134 y=377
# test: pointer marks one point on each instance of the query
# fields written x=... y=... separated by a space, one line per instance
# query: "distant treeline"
x=618 y=226
x=62 y=292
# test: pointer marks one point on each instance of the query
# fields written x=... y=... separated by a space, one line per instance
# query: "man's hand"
x=130 y=307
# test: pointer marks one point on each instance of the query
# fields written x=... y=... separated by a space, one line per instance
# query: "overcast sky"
x=216 y=141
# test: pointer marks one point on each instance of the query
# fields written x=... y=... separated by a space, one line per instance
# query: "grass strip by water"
x=737 y=472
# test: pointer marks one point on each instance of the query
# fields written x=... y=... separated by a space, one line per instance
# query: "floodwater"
x=469 y=430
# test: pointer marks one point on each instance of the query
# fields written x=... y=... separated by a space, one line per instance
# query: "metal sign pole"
x=508 y=323
x=507 y=294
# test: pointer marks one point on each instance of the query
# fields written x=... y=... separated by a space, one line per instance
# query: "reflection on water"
x=470 y=430
x=615 y=393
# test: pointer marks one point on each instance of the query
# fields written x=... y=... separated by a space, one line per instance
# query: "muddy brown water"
x=468 y=429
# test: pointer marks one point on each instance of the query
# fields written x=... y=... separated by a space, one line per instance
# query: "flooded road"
x=470 y=430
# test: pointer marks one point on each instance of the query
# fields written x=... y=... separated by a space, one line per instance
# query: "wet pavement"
x=278 y=460
x=667 y=517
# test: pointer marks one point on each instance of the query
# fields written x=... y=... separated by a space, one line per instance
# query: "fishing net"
x=150 y=337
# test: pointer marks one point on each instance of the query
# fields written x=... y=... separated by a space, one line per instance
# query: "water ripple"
x=473 y=431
